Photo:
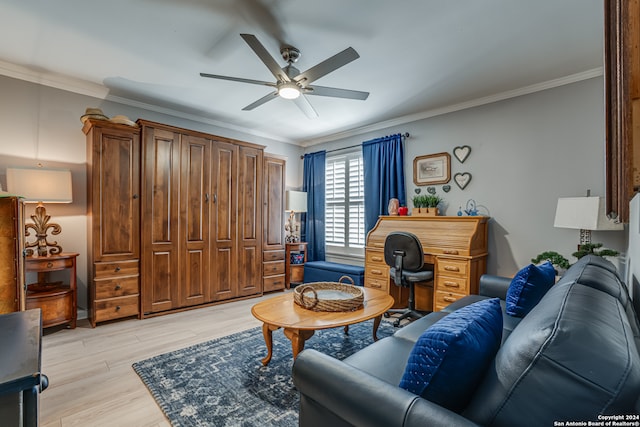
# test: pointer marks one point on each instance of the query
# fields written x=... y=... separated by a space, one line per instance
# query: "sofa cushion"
x=528 y=287
x=449 y=359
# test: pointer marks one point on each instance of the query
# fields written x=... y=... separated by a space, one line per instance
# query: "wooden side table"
x=57 y=300
x=294 y=273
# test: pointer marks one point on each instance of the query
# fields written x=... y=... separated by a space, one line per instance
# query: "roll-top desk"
x=456 y=246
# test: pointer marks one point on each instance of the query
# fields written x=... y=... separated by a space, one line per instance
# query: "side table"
x=294 y=269
x=58 y=300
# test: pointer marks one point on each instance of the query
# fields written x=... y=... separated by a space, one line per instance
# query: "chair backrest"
x=413 y=257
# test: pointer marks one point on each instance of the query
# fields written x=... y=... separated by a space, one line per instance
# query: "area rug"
x=223 y=383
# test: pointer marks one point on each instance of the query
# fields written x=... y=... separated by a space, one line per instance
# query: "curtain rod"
x=404 y=135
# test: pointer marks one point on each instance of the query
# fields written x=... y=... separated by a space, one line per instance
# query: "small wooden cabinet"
x=57 y=299
x=294 y=271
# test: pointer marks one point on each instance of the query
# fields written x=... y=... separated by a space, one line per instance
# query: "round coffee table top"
x=282 y=311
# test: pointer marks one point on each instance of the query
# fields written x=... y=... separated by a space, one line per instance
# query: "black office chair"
x=403 y=253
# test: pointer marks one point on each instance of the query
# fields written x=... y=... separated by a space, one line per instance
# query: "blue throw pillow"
x=450 y=358
x=528 y=287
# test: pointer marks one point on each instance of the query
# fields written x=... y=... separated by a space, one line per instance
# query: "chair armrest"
x=361 y=399
x=494 y=286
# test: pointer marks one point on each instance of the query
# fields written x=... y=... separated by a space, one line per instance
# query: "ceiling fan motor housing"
x=290 y=54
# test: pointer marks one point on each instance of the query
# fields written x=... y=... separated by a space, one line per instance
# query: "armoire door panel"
x=250 y=270
x=194 y=220
x=159 y=288
x=117 y=188
x=223 y=282
x=273 y=223
x=160 y=244
x=223 y=184
x=163 y=204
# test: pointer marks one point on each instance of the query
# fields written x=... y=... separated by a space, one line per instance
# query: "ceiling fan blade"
x=328 y=65
x=303 y=103
x=238 y=79
x=265 y=57
x=335 y=92
x=259 y=102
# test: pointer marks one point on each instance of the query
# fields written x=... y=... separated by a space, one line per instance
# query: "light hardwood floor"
x=91 y=381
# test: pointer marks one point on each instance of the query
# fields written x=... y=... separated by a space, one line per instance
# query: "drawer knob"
x=49 y=264
x=118 y=287
x=451 y=284
x=376 y=258
x=117 y=308
x=449 y=299
x=450 y=252
x=117 y=269
x=378 y=272
x=451 y=268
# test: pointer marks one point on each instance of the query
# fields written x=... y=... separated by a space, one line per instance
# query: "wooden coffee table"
x=299 y=323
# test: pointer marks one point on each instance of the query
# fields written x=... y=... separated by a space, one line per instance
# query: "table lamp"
x=295 y=201
x=585 y=214
x=41 y=186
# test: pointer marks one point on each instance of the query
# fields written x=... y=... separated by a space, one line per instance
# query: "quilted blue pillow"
x=450 y=358
x=528 y=287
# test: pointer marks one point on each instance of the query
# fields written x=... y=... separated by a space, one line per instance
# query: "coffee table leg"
x=267 y=331
x=346 y=329
x=297 y=337
x=376 y=323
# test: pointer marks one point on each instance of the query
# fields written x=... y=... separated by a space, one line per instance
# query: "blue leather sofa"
x=573 y=357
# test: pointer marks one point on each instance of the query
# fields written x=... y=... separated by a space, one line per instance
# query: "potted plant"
x=426 y=204
x=560 y=263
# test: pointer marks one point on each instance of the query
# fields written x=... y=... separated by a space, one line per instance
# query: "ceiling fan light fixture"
x=289 y=90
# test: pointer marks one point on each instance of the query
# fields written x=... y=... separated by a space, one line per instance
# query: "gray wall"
x=525 y=153
x=42 y=124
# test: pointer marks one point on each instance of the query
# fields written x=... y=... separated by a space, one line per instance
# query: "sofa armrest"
x=494 y=286
x=357 y=398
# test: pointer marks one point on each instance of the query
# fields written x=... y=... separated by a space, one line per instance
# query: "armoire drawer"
x=273 y=283
x=115 y=308
x=272 y=268
x=117 y=268
x=272 y=256
x=116 y=287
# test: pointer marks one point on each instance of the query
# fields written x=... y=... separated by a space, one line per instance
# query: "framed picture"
x=432 y=169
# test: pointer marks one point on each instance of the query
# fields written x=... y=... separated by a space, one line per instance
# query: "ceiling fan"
x=290 y=82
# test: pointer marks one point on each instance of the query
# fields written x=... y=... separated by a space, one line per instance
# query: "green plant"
x=433 y=200
x=594 y=248
x=419 y=201
x=554 y=257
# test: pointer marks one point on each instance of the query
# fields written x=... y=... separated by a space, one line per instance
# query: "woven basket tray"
x=329 y=296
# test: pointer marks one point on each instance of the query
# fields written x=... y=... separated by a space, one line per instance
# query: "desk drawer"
x=116 y=287
x=452 y=267
x=381 y=284
x=375 y=257
x=115 y=308
x=443 y=299
x=452 y=284
x=117 y=268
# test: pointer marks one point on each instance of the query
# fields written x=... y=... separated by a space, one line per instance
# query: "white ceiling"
x=416 y=56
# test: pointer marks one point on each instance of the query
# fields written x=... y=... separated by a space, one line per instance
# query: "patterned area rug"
x=222 y=382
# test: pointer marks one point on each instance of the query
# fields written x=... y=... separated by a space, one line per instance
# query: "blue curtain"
x=383 y=160
x=313 y=184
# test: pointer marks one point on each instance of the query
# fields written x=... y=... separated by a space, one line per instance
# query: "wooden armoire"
x=200 y=215
x=113 y=220
x=11 y=255
x=273 y=244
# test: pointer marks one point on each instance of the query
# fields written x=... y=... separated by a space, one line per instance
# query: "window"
x=344 y=206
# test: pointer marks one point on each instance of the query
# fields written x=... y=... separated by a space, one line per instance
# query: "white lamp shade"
x=40 y=185
x=296 y=201
x=584 y=213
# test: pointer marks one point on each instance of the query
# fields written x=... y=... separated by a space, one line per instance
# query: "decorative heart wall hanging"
x=431 y=190
x=462 y=153
x=462 y=179
x=417 y=190
x=446 y=188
